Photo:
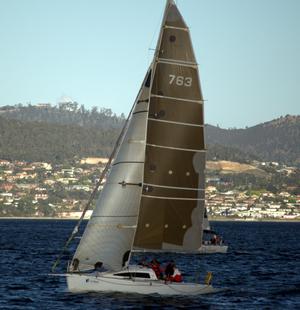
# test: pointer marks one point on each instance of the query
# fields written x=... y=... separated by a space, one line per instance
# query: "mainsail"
x=154 y=195
x=172 y=204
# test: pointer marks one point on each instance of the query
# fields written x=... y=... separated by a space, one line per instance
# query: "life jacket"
x=156 y=269
x=176 y=277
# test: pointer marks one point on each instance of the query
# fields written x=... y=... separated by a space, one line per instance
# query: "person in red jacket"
x=172 y=273
x=176 y=277
x=155 y=265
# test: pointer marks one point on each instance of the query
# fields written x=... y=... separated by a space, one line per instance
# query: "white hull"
x=92 y=283
x=212 y=249
x=204 y=249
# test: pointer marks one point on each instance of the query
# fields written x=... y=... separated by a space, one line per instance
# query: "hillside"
x=53 y=133
x=39 y=141
x=277 y=140
x=69 y=113
x=222 y=152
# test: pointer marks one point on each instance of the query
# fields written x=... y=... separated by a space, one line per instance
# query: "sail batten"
x=172 y=122
x=177 y=28
x=176 y=98
x=173 y=198
x=176 y=148
x=177 y=62
x=174 y=187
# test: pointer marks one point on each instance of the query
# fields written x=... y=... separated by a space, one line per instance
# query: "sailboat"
x=212 y=242
x=153 y=197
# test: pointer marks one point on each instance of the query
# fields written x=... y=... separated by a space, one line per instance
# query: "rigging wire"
x=155 y=34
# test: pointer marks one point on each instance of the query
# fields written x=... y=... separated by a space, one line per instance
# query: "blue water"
x=260 y=271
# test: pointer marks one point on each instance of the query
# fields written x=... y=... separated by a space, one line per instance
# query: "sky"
x=97 y=53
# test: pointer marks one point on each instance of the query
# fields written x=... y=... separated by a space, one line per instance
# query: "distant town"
x=233 y=191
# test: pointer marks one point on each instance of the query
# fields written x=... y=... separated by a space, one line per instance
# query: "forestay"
x=172 y=204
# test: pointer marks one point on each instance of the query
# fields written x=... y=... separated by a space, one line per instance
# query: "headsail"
x=172 y=204
x=109 y=234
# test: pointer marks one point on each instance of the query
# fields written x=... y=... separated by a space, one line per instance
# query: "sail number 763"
x=180 y=80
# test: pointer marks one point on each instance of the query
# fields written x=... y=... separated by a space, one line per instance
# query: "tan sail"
x=172 y=204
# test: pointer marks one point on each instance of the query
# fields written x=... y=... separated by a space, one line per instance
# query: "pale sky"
x=97 y=53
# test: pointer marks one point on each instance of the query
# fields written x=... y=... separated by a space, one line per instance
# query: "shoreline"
x=212 y=219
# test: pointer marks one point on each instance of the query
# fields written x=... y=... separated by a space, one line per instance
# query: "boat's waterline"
x=204 y=249
x=83 y=283
x=213 y=249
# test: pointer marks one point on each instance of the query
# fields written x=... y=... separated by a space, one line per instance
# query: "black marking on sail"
x=128 y=162
x=148 y=80
x=172 y=38
x=143 y=100
x=144 y=111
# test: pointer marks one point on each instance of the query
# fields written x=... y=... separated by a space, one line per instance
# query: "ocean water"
x=260 y=271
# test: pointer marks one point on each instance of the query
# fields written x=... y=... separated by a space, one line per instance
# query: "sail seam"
x=172 y=122
x=177 y=63
x=176 y=98
x=175 y=148
x=173 y=198
x=177 y=28
x=175 y=187
x=177 y=60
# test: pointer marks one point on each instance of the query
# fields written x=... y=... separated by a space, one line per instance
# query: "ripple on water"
x=258 y=272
